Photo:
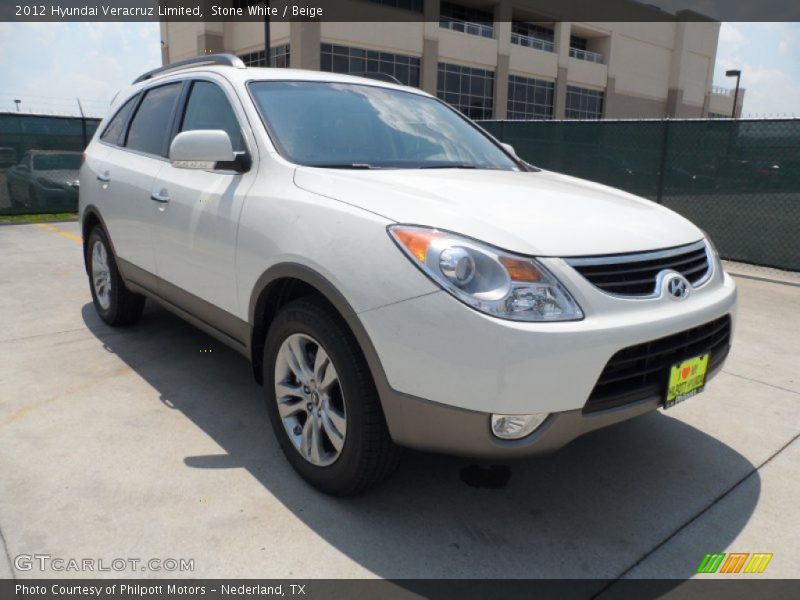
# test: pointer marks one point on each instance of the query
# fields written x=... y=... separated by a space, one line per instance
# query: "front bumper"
x=448 y=367
x=432 y=427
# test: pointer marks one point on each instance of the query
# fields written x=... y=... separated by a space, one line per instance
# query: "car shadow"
x=589 y=511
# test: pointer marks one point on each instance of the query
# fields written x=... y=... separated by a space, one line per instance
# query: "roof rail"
x=207 y=59
x=378 y=76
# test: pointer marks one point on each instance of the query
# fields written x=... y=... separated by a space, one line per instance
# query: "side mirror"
x=201 y=149
x=510 y=149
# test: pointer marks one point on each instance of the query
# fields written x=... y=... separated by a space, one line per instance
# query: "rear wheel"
x=322 y=402
x=33 y=198
x=113 y=301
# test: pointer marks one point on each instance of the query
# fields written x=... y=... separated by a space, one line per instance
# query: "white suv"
x=396 y=276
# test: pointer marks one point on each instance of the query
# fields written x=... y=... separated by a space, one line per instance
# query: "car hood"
x=537 y=213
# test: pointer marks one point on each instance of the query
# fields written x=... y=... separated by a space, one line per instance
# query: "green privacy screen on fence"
x=39 y=162
x=737 y=180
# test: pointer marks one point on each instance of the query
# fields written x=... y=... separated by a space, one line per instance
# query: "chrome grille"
x=637 y=274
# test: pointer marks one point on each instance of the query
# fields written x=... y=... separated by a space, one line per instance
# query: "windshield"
x=360 y=126
x=57 y=162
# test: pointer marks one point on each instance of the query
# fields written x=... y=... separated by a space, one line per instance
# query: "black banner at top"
x=395 y=10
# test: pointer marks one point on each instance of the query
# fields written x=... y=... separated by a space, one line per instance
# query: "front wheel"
x=322 y=401
x=33 y=199
x=12 y=199
x=113 y=301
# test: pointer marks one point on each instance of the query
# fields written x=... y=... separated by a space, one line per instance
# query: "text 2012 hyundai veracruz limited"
x=396 y=276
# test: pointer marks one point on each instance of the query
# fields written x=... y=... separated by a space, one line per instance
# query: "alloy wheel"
x=101 y=275
x=310 y=400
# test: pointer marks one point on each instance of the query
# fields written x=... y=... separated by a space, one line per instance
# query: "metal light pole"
x=83 y=123
x=738 y=74
x=267 y=42
x=17 y=102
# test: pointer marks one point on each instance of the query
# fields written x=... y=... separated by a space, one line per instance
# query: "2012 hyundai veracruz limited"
x=396 y=276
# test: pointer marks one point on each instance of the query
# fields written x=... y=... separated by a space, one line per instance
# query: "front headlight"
x=714 y=253
x=492 y=281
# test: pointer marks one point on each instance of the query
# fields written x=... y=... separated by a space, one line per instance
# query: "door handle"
x=161 y=197
x=105 y=177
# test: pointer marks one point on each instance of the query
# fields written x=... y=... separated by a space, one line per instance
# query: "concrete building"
x=492 y=59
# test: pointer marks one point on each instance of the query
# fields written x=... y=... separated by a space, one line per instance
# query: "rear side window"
x=151 y=123
x=208 y=108
x=113 y=132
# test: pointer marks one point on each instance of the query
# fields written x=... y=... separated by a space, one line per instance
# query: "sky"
x=768 y=55
x=49 y=65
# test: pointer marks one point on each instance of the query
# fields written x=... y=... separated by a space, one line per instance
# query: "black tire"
x=125 y=307
x=12 y=198
x=368 y=455
x=33 y=199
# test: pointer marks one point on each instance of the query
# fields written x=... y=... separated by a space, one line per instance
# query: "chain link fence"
x=739 y=180
x=39 y=162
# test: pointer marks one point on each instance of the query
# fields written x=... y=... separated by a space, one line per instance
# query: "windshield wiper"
x=368 y=166
x=450 y=166
x=343 y=166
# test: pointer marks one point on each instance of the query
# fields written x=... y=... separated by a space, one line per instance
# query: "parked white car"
x=396 y=276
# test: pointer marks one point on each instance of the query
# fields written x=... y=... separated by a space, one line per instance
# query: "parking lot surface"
x=152 y=442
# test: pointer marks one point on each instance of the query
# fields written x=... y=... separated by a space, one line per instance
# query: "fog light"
x=514 y=427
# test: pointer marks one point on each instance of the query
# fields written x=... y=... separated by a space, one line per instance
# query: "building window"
x=413 y=5
x=578 y=49
x=358 y=61
x=468 y=89
x=577 y=42
x=533 y=36
x=278 y=57
x=530 y=98
x=583 y=103
x=466 y=20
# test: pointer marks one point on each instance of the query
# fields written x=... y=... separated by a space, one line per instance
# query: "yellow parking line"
x=67 y=234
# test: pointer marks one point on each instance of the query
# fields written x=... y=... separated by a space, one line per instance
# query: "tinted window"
x=113 y=131
x=151 y=123
x=208 y=108
x=57 y=162
x=346 y=125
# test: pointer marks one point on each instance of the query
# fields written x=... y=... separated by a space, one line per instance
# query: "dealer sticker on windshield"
x=686 y=379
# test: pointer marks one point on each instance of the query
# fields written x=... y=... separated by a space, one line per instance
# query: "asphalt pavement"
x=152 y=442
